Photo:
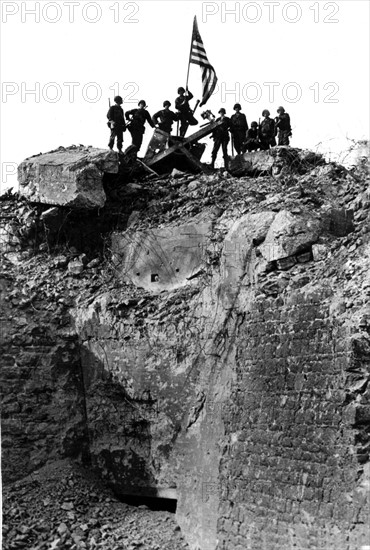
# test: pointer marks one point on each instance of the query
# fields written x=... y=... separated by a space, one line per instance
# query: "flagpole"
x=191 y=46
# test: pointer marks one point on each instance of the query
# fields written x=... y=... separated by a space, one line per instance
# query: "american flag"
x=198 y=56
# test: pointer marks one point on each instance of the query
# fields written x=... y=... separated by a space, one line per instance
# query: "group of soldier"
x=260 y=136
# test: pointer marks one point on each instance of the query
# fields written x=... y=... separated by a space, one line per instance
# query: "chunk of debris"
x=70 y=176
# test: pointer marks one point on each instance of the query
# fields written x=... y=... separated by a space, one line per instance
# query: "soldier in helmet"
x=238 y=128
x=252 y=142
x=166 y=118
x=136 y=126
x=267 y=131
x=184 y=112
x=116 y=123
x=221 y=138
x=282 y=125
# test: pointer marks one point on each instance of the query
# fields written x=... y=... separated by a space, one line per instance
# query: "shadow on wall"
x=43 y=415
x=119 y=428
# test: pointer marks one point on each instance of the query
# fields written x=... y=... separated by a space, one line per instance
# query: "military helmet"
x=254 y=124
x=142 y=102
x=265 y=112
x=280 y=109
x=118 y=99
x=237 y=106
x=222 y=110
x=181 y=90
x=166 y=103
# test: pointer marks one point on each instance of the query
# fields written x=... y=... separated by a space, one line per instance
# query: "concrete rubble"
x=68 y=176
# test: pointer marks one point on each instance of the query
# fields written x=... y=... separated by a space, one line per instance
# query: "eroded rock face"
x=67 y=177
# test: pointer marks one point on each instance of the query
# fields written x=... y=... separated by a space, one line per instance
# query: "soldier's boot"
x=226 y=162
x=213 y=163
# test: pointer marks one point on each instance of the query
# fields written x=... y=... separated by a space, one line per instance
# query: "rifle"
x=129 y=120
x=108 y=123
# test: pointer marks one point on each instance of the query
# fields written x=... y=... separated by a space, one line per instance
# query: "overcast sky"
x=61 y=63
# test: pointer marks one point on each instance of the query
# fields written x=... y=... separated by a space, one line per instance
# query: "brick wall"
x=290 y=476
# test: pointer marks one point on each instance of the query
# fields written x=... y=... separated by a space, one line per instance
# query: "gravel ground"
x=64 y=506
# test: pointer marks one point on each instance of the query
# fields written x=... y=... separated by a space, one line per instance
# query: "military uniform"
x=137 y=118
x=284 y=129
x=267 y=133
x=185 y=114
x=221 y=139
x=166 y=118
x=238 y=129
x=116 y=115
x=252 y=142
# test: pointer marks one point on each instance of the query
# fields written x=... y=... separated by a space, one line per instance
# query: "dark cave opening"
x=153 y=503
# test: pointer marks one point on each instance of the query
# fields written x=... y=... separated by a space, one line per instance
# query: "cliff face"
x=209 y=342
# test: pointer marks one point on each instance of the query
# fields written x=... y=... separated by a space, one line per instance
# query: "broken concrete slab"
x=289 y=234
x=257 y=242
x=161 y=259
x=68 y=176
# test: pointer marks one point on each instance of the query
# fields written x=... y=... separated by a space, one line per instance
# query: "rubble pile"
x=276 y=161
x=64 y=506
x=200 y=337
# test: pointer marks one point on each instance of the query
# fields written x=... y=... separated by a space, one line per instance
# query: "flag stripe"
x=199 y=57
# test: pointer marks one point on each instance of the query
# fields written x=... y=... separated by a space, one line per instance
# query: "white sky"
x=143 y=46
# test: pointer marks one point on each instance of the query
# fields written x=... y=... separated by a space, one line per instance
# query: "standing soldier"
x=185 y=114
x=282 y=124
x=267 y=131
x=221 y=138
x=238 y=128
x=116 y=123
x=252 y=142
x=136 y=126
x=166 y=118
